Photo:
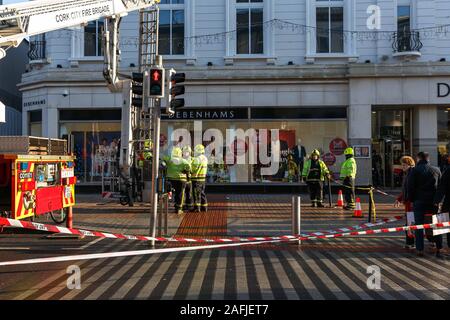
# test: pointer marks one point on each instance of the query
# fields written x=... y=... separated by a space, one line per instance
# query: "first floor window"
x=171 y=32
x=330 y=29
x=249 y=25
x=93 y=39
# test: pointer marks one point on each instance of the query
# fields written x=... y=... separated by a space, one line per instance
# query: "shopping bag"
x=436 y=218
x=410 y=221
x=440 y=218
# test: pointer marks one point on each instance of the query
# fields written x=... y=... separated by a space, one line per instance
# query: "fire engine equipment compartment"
x=36 y=176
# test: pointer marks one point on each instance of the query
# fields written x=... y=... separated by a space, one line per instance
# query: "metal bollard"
x=296 y=212
x=69 y=221
x=160 y=216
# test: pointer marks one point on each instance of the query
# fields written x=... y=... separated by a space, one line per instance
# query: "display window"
x=96 y=148
x=35 y=123
x=443 y=136
x=392 y=139
x=297 y=139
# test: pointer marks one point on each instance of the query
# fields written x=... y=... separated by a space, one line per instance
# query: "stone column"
x=425 y=131
x=50 y=123
x=25 y=122
x=360 y=133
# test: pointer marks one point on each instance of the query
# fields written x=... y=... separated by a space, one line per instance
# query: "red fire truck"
x=37 y=177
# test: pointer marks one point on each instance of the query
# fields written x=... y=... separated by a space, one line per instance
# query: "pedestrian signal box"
x=156 y=83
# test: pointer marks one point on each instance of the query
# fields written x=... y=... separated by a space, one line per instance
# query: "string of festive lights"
x=425 y=33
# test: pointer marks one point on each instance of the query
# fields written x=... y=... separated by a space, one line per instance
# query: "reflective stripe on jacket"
x=348 y=168
x=323 y=170
x=199 y=168
x=177 y=168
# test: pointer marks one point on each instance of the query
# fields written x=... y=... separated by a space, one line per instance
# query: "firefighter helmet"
x=349 y=152
x=177 y=152
x=315 y=152
x=187 y=149
x=199 y=149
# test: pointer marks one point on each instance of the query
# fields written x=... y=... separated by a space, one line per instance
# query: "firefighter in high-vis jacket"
x=348 y=175
x=177 y=170
x=147 y=153
x=314 y=173
x=188 y=198
x=199 y=170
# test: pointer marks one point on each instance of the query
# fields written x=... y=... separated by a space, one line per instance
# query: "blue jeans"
x=420 y=209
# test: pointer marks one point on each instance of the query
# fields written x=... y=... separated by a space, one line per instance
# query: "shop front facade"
x=86 y=114
x=404 y=115
x=383 y=116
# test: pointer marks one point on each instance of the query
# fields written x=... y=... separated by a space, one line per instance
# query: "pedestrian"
x=348 y=175
x=408 y=164
x=421 y=189
x=314 y=173
x=199 y=171
x=177 y=169
x=443 y=193
x=376 y=168
x=188 y=198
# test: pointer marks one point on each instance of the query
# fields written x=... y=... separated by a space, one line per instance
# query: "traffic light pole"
x=155 y=166
x=156 y=118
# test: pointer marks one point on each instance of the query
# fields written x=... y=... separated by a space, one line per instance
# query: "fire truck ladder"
x=21 y=20
x=142 y=118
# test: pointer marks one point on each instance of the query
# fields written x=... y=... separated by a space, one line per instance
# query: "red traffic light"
x=156 y=76
x=156 y=83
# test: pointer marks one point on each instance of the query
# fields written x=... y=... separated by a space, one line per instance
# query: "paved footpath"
x=318 y=269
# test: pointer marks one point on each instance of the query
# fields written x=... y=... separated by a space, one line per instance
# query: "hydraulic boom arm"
x=21 y=20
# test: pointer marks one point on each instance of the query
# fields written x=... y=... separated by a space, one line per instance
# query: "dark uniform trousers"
x=188 y=200
x=349 y=192
x=315 y=191
x=200 y=201
x=179 y=187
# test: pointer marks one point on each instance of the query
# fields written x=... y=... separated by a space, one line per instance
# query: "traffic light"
x=157 y=83
x=175 y=90
x=137 y=89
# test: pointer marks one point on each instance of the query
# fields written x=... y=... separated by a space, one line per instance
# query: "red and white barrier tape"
x=384 y=230
x=354 y=228
x=217 y=246
x=56 y=229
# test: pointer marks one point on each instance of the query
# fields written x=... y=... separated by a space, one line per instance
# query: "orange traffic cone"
x=340 y=202
x=358 y=211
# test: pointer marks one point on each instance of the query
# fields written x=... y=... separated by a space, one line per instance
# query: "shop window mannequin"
x=299 y=153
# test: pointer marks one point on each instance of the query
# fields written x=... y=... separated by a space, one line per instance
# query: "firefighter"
x=148 y=148
x=292 y=169
x=146 y=154
x=198 y=176
x=188 y=200
x=314 y=173
x=177 y=168
x=348 y=175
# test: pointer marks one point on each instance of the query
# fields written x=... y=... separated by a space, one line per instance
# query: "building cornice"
x=247 y=75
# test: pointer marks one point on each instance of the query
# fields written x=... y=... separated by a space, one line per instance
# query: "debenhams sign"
x=209 y=114
x=443 y=90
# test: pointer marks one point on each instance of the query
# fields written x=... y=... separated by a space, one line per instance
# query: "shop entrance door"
x=392 y=141
x=392 y=150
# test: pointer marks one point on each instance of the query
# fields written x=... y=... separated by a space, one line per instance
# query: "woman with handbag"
x=407 y=165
